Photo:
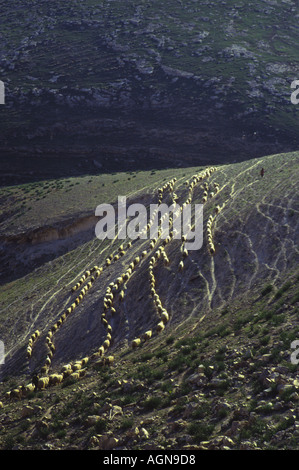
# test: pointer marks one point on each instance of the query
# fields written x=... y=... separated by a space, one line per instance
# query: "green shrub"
x=284 y=288
x=152 y=403
x=127 y=423
x=100 y=426
x=200 y=431
x=267 y=289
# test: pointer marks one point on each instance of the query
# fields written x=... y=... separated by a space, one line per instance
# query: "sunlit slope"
x=254 y=236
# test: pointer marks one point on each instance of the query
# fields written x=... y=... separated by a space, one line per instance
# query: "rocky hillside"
x=168 y=348
x=102 y=84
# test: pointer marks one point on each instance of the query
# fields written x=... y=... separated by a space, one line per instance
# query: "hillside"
x=106 y=85
x=217 y=375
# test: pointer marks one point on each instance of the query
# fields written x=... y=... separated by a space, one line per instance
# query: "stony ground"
x=220 y=375
x=99 y=84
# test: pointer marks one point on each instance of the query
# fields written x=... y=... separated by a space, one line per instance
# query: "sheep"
x=50 y=354
x=48 y=361
x=160 y=327
x=55 y=379
x=108 y=361
x=66 y=367
x=98 y=272
x=164 y=317
x=63 y=317
x=67 y=373
x=166 y=260
x=44 y=369
x=153 y=291
x=82 y=373
x=136 y=342
x=42 y=383
x=119 y=280
x=29 y=388
x=108 y=302
x=121 y=295
x=17 y=392
x=136 y=260
x=106 y=344
x=29 y=352
x=159 y=307
x=147 y=335
x=181 y=265
x=152 y=245
x=75 y=375
x=76 y=366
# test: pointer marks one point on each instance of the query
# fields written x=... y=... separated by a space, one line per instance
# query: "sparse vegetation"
x=223 y=354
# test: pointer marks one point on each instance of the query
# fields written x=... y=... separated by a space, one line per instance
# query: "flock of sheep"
x=116 y=292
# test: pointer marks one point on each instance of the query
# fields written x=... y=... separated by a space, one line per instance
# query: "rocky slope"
x=94 y=85
x=220 y=373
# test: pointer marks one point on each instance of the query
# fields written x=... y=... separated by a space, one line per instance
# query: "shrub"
x=283 y=289
x=267 y=289
x=152 y=403
x=126 y=424
x=200 y=431
x=100 y=426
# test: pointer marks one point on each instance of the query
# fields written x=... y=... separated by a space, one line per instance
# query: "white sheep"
x=135 y=343
x=160 y=327
x=42 y=383
x=164 y=316
x=147 y=335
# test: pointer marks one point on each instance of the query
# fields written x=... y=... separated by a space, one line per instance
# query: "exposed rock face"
x=199 y=75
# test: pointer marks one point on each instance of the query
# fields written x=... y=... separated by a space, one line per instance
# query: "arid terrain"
x=216 y=374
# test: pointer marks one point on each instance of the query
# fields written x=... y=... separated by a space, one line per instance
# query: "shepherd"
x=262 y=172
